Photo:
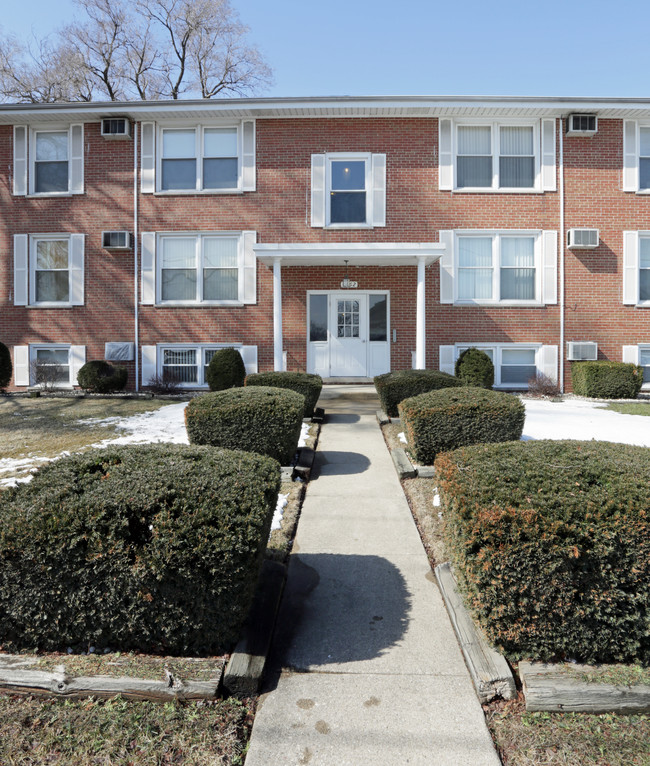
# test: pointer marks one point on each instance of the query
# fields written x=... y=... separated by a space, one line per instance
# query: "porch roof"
x=352 y=253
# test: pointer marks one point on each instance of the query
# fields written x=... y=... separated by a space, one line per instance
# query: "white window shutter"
x=20 y=160
x=447 y=360
x=378 y=190
x=447 y=268
x=77 y=269
x=630 y=268
x=446 y=156
x=630 y=157
x=148 y=365
x=548 y=155
x=549 y=267
x=547 y=359
x=249 y=355
x=631 y=354
x=77 y=361
x=21 y=365
x=21 y=269
x=249 y=271
x=77 y=159
x=318 y=190
x=248 y=155
x=148 y=158
x=148 y=269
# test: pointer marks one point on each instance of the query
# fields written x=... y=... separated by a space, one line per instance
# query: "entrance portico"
x=348 y=343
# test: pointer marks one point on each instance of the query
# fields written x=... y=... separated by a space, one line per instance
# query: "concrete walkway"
x=365 y=668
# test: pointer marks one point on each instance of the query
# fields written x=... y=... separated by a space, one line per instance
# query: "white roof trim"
x=355 y=253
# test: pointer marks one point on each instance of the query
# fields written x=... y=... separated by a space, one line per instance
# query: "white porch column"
x=277 y=316
x=420 y=325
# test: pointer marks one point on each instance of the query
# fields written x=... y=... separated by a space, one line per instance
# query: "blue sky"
x=415 y=47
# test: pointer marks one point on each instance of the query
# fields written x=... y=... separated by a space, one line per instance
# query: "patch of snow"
x=402 y=437
x=279 y=511
x=304 y=433
x=436 y=500
x=165 y=425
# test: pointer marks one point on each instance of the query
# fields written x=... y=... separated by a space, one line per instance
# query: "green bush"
x=256 y=419
x=152 y=548
x=308 y=385
x=394 y=387
x=6 y=369
x=451 y=418
x=551 y=544
x=102 y=377
x=606 y=380
x=474 y=367
x=226 y=370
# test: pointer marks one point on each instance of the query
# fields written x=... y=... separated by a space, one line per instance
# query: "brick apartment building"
x=342 y=236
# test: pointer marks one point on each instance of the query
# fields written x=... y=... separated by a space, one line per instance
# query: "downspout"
x=135 y=257
x=562 y=344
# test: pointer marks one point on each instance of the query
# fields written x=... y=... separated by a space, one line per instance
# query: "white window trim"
x=33 y=240
x=632 y=159
x=199 y=237
x=497 y=348
x=640 y=235
x=495 y=140
x=55 y=128
x=198 y=152
x=643 y=347
x=201 y=348
x=352 y=157
x=496 y=269
x=33 y=349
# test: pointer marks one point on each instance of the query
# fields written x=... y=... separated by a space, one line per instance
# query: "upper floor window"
x=348 y=190
x=49 y=161
x=49 y=270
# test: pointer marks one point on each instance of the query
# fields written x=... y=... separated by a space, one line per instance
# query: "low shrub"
x=606 y=380
x=226 y=370
x=101 y=377
x=6 y=368
x=551 y=544
x=303 y=383
x=256 y=418
x=474 y=367
x=451 y=418
x=152 y=548
x=543 y=387
x=394 y=387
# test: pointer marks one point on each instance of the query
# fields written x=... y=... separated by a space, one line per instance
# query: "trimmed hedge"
x=474 y=367
x=101 y=377
x=394 y=387
x=256 y=419
x=551 y=544
x=153 y=548
x=606 y=380
x=304 y=383
x=451 y=418
x=226 y=370
x=6 y=368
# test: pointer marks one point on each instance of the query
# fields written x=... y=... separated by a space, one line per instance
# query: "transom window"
x=514 y=366
x=200 y=159
x=497 y=267
x=199 y=269
x=51 y=162
x=187 y=366
x=496 y=157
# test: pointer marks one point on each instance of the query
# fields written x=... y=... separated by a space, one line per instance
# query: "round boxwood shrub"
x=451 y=418
x=550 y=541
x=152 y=548
x=474 y=367
x=606 y=380
x=226 y=370
x=256 y=418
x=394 y=387
x=101 y=377
x=6 y=369
x=304 y=383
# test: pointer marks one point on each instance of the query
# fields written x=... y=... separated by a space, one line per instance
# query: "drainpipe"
x=277 y=315
x=420 y=319
x=562 y=233
x=135 y=257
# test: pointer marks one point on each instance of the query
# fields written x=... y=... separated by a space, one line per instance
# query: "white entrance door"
x=348 y=335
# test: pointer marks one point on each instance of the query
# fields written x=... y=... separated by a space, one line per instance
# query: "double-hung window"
x=644 y=361
x=514 y=364
x=49 y=270
x=187 y=364
x=636 y=268
x=49 y=161
x=496 y=157
x=644 y=269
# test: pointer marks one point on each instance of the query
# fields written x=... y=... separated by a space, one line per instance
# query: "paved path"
x=366 y=668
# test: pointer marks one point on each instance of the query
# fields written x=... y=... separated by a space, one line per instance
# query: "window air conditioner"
x=583 y=239
x=116 y=240
x=116 y=127
x=582 y=351
x=582 y=125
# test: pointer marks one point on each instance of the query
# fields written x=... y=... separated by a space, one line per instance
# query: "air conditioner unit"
x=582 y=351
x=116 y=127
x=116 y=240
x=583 y=239
x=582 y=125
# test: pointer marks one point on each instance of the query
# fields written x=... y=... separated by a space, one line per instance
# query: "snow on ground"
x=279 y=511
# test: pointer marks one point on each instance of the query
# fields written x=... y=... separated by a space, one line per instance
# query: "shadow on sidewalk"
x=339 y=462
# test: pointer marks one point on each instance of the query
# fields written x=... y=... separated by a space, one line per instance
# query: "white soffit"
x=354 y=253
